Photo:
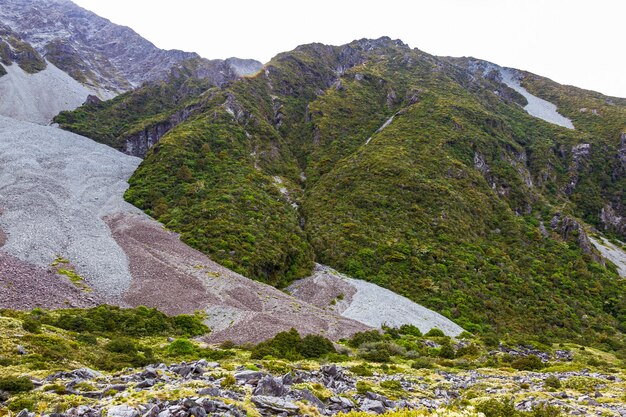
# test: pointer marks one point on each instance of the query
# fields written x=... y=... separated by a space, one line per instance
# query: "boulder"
x=122 y=411
x=271 y=386
x=275 y=404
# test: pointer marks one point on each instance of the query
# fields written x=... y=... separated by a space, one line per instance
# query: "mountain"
x=464 y=186
x=51 y=38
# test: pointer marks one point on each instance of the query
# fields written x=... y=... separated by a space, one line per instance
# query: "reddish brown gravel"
x=24 y=287
x=178 y=279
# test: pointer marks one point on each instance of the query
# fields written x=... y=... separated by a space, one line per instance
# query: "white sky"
x=576 y=42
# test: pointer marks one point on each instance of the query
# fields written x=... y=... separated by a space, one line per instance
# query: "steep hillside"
x=428 y=176
x=95 y=51
x=134 y=121
x=68 y=238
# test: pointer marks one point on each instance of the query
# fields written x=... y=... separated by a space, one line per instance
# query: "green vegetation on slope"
x=450 y=203
x=112 y=121
x=13 y=49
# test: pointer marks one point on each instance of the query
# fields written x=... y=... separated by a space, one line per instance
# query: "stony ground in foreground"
x=202 y=388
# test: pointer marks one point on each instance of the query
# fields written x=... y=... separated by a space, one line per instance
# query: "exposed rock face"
x=92 y=49
x=612 y=220
x=138 y=144
x=568 y=227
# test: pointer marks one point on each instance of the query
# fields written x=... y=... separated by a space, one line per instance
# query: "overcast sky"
x=576 y=42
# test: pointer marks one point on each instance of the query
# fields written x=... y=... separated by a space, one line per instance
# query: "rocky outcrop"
x=580 y=155
x=139 y=143
x=94 y=50
x=569 y=228
x=613 y=221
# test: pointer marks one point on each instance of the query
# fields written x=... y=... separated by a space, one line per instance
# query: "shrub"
x=496 y=408
x=377 y=355
x=435 y=332
x=121 y=345
x=181 y=347
x=391 y=384
x=31 y=325
x=87 y=339
x=410 y=330
x=14 y=384
x=422 y=363
x=552 y=382
x=228 y=382
x=314 y=346
x=362 y=387
x=527 y=363
x=362 y=370
x=365 y=337
x=446 y=351
x=19 y=404
x=289 y=345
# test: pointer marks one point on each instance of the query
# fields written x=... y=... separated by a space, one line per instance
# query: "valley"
x=344 y=230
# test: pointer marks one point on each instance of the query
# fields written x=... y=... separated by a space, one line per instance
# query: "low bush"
x=527 y=363
x=14 y=384
x=289 y=345
x=181 y=347
x=365 y=337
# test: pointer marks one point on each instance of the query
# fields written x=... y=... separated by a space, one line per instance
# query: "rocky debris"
x=275 y=394
x=523 y=351
x=612 y=252
x=366 y=302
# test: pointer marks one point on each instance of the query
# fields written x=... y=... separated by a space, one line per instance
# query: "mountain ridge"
x=402 y=168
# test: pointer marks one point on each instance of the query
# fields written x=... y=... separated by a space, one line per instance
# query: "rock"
x=197 y=412
x=211 y=392
x=275 y=404
x=188 y=403
x=147 y=383
x=23 y=413
x=305 y=394
x=248 y=376
x=149 y=373
x=20 y=350
x=122 y=411
x=330 y=370
x=372 y=406
x=182 y=370
x=271 y=386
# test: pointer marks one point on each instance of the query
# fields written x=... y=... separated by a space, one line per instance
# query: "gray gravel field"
x=367 y=303
x=55 y=187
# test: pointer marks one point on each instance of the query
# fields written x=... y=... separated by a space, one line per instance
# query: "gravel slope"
x=612 y=253
x=55 y=187
x=39 y=97
x=366 y=302
x=62 y=195
x=536 y=106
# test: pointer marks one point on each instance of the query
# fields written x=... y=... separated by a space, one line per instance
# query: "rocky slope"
x=366 y=302
x=99 y=53
x=63 y=214
x=431 y=177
